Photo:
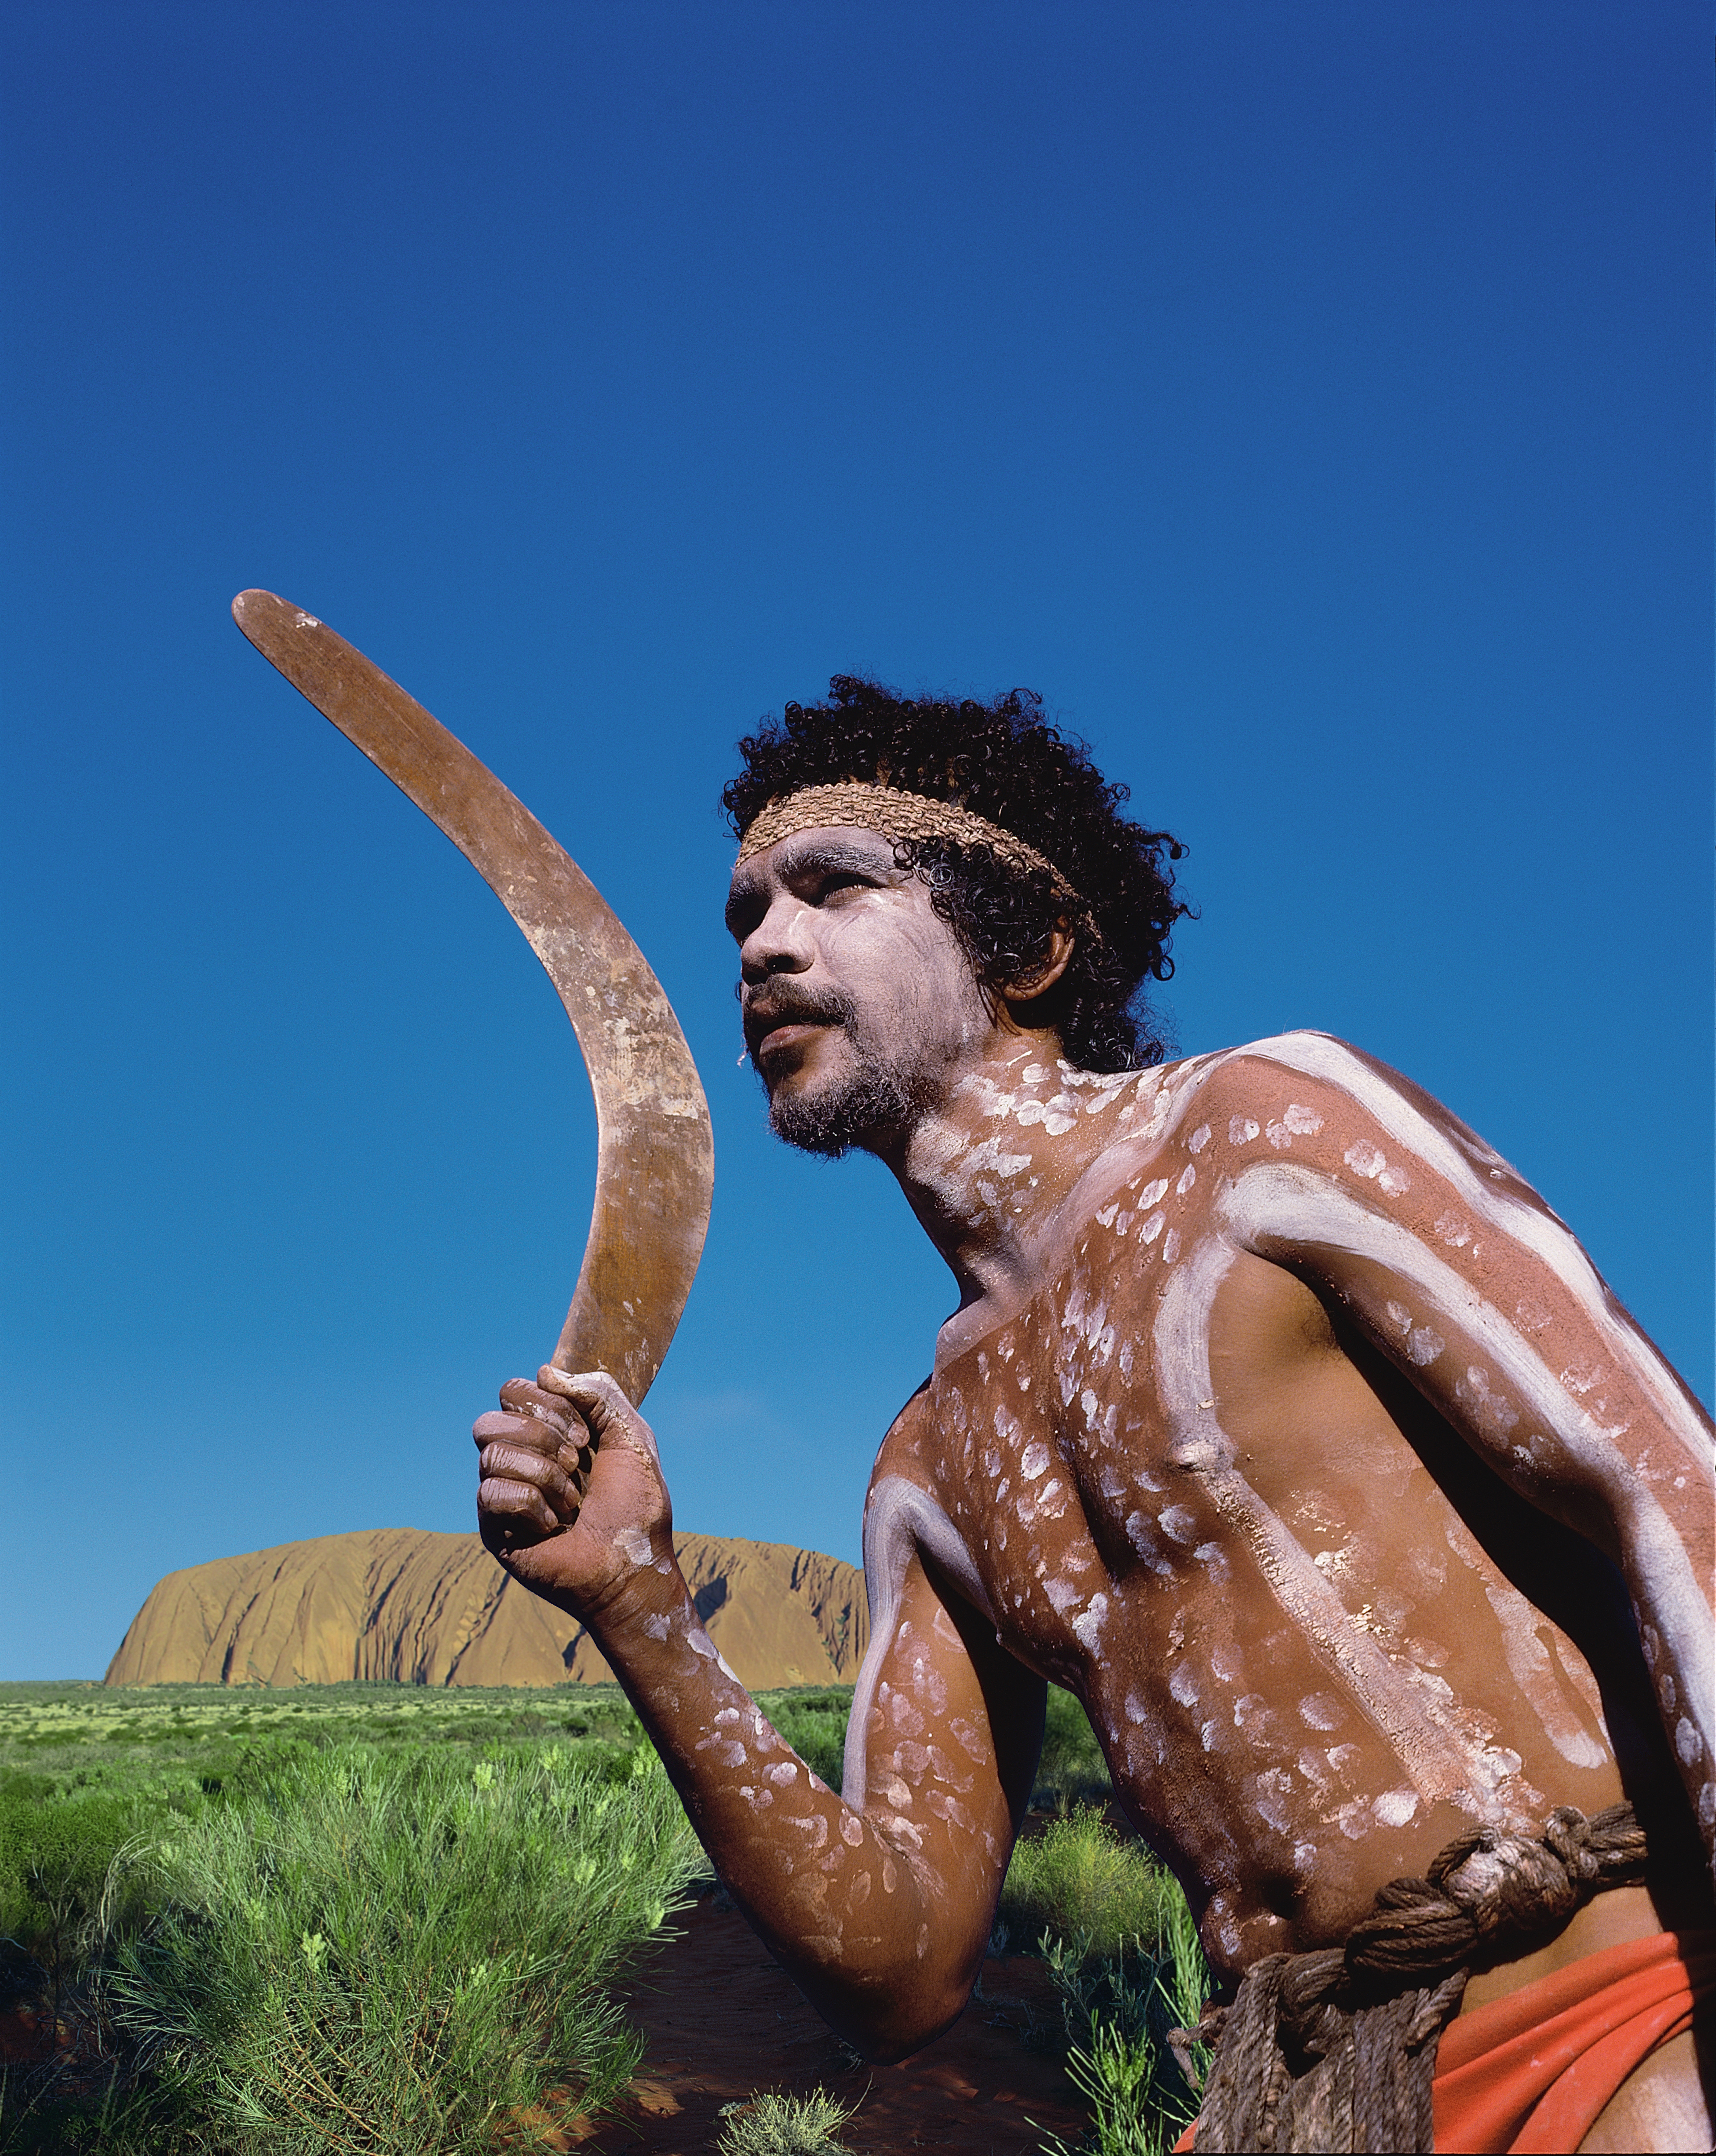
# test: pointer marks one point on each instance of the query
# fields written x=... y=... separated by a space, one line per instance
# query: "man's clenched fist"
x=572 y=1499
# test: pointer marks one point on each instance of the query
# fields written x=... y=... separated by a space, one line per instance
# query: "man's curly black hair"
x=1004 y=761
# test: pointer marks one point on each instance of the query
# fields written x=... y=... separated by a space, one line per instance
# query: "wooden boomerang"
x=655 y=1152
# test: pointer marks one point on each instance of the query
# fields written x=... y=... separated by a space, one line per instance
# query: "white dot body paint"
x=1102 y=1509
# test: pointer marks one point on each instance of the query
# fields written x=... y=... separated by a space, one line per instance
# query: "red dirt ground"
x=722 y=2024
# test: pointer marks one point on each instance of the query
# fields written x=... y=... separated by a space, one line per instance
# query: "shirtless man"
x=1279 y=1421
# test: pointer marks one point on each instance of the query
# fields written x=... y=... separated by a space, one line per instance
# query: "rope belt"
x=1336 y=2050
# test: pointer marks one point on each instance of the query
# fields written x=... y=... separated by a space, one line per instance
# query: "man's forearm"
x=851 y=1910
x=882 y=1919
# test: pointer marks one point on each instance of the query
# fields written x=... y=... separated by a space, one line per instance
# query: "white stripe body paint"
x=1440 y=1764
x=1533 y=1226
x=1119 y=1590
x=1528 y=1659
x=899 y=1519
x=1271 y=1207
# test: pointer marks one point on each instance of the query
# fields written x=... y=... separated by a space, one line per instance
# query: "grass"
x=84 y=1770
x=1079 y=1880
x=262 y=1905
x=367 y=1955
x=82 y=1734
x=1120 y=1942
x=376 y=1954
x=297 y=1918
x=1072 y=1770
x=1141 y=2096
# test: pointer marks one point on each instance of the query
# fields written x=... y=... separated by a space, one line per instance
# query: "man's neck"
x=987 y=1169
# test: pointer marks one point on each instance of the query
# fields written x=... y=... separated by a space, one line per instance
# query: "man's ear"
x=1028 y=987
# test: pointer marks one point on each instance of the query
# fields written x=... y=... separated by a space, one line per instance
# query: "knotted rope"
x=1336 y=2050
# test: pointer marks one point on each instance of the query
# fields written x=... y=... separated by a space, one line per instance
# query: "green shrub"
x=397 y=1953
x=57 y=1847
x=1115 y=2076
x=785 y=2125
x=1079 y=1880
x=1127 y=1964
x=187 y=1734
x=1126 y=2066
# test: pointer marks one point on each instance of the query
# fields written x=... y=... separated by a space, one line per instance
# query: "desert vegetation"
x=1130 y=1975
x=389 y=1919
x=341 y=1918
x=771 y=2125
x=1119 y=1941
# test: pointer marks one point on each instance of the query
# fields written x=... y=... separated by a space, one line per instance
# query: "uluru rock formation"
x=402 y=1603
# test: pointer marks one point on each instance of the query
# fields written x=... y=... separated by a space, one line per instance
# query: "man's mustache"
x=778 y=1002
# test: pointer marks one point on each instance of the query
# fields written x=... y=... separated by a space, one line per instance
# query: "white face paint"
x=859 y=1000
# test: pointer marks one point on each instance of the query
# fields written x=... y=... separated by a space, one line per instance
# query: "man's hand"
x=571 y=1500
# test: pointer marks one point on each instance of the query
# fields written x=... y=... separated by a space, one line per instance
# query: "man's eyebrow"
x=742 y=893
x=801 y=858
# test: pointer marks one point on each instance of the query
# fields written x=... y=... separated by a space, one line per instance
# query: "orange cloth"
x=1528 y=2075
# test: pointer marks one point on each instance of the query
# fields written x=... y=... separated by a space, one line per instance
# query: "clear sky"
x=1311 y=401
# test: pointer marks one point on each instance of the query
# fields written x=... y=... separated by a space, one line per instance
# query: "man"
x=1279 y=1421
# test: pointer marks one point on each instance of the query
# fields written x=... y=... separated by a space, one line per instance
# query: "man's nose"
x=781 y=941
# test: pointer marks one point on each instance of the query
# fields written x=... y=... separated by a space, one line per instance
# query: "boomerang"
x=654 y=1149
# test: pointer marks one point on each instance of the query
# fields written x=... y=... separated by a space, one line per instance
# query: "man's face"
x=860 y=1005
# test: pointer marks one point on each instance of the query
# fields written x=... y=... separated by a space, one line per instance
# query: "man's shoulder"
x=1290 y=1077
x=1305 y=1094
x=1308 y=1094
x=1172 y=1101
x=904 y=1507
x=1265 y=1074
x=1303 y=1049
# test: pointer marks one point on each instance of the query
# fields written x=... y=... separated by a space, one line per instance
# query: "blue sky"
x=1311 y=402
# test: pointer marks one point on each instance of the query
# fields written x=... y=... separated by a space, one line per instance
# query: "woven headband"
x=855 y=804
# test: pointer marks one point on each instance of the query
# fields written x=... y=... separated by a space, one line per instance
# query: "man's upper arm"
x=945 y=1728
x=1337 y=1167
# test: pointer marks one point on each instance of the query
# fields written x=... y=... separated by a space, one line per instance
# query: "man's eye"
x=830 y=885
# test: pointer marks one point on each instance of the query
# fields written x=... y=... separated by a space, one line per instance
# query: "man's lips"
x=766 y=1029
x=787 y=1029
x=773 y=1035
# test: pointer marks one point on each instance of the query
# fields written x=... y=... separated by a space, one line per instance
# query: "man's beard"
x=830 y=1120
x=874 y=1097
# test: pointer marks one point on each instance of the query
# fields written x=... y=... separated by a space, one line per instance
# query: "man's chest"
x=1047 y=1446
x=1082 y=1449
